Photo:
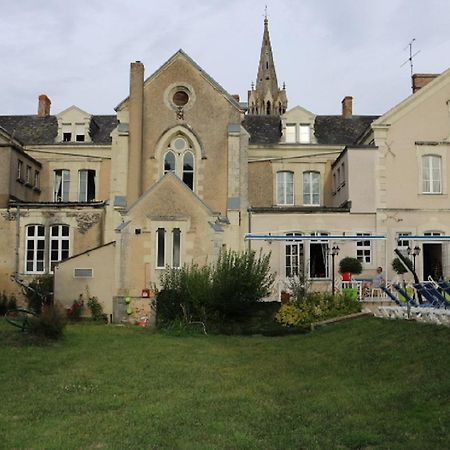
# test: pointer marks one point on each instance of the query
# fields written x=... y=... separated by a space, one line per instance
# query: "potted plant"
x=400 y=270
x=349 y=266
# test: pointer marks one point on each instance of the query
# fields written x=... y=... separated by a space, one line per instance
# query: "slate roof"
x=34 y=130
x=329 y=130
x=337 y=130
x=263 y=129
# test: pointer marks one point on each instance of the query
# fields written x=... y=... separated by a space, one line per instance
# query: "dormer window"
x=298 y=133
x=304 y=135
x=74 y=126
x=67 y=132
x=79 y=132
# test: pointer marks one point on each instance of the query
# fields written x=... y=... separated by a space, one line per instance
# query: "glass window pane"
x=176 y=259
x=169 y=162
x=160 y=242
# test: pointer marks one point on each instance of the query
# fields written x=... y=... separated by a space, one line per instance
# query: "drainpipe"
x=249 y=210
x=17 y=239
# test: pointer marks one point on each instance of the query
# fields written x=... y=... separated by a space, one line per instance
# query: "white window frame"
x=309 y=182
x=325 y=255
x=35 y=239
x=291 y=133
x=404 y=243
x=179 y=152
x=364 y=249
x=431 y=174
x=284 y=178
x=65 y=185
x=84 y=173
x=168 y=247
x=60 y=238
x=294 y=262
x=304 y=133
x=185 y=154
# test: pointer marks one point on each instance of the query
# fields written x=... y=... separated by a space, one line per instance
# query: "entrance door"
x=432 y=261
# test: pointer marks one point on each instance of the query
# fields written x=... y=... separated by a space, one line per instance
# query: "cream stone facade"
x=184 y=170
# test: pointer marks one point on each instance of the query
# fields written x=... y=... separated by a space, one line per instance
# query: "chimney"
x=44 y=106
x=347 y=107
x=420 y=80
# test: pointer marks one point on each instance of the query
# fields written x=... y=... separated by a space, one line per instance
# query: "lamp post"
x=333 y=252
x=414 y=252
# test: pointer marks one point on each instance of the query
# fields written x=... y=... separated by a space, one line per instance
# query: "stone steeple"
x=266 y=98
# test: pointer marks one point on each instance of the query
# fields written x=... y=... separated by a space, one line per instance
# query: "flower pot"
x=346 y=276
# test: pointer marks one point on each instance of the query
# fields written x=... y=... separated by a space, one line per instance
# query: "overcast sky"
x=78 y=52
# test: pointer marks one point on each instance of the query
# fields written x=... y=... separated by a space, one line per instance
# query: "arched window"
x=431 y=174
x=268 y=109
x=285 y=188
x=311 y=188
x=169 y=162
x=180 y=159
x=188 y=169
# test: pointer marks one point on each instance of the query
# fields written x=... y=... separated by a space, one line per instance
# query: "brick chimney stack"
x=347 y=107
x=44 y=106
x=420 y=80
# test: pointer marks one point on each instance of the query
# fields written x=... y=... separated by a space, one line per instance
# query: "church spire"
x=266 y=98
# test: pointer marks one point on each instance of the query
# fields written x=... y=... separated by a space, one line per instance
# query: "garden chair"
x=433 y=296
x=405 y=295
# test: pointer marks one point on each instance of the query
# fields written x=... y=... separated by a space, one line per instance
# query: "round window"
x=179 y=144
x=180 y=98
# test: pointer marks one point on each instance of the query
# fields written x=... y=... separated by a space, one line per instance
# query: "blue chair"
x=392 y=296
x=409 y=299
x=433 y=302
x=438 y=295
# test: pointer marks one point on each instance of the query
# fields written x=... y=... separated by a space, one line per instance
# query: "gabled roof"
x=34 y=130
x=182 y=54
x=182 y=186
x=74 y=108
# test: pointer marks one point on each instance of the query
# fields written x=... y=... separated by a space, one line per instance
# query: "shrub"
x=228 y=290
x=49 y=324
x=239 y=281
x=398 y=266
x=74 y=312
x=40 y=292
x=7 y=303
x=96 y=309
x=299 y=285
x=316 y=307
x=185 y=294
x=349 y=264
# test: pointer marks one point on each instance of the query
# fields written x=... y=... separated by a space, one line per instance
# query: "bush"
x=74 y=312
x=49 y=324
x=40 y=293
x=316 y=307
x=96 y=309
x=7 y=303
x=398 y=266
x=185 y=294
x=240 y=280
x=229 y=290
x=349 y=264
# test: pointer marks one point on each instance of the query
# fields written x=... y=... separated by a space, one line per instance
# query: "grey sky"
x=79 y=52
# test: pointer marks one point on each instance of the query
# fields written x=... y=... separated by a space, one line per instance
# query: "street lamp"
x=414 y=252
x=333 y=252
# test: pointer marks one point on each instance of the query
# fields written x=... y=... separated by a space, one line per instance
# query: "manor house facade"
x=184 y=170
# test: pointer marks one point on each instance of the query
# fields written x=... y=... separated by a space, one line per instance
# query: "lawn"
x=368 y=383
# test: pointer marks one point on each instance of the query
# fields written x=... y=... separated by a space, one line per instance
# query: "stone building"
x=184 y=170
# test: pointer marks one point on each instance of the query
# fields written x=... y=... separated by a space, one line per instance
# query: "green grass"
x=364 y=384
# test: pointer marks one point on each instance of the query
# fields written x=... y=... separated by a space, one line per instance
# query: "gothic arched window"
x=169 y=162
x=188 y=169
